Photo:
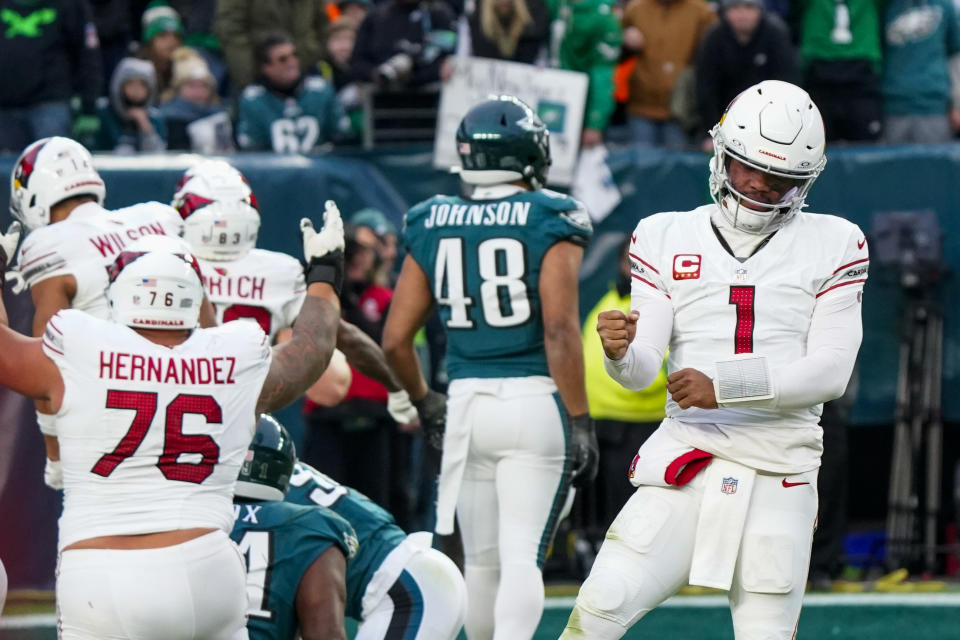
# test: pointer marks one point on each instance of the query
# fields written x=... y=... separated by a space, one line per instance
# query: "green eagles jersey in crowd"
x=482 y=258
x=377 y=534
x=279 y=542
x=588 y=41
x=289 y=124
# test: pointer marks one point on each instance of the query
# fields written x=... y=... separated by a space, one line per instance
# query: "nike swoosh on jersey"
x=860 y=243
x=787 y=485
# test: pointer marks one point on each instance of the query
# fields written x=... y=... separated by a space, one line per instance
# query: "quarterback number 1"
x=175 y=441
x=742 y=298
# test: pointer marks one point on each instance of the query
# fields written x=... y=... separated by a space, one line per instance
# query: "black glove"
x=433 y=417
x=328 y=268
x=583 y=449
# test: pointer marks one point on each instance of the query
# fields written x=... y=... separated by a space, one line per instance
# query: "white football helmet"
x=773 y=127
x=47 y=172
x=220 y=212
x=155 y=283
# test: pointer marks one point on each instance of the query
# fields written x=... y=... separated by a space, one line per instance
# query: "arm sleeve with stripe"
x=649 y=298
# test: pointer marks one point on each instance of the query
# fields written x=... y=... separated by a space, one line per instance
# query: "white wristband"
x=743 y=378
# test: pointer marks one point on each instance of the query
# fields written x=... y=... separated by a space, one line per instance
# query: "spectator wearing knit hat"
x=129 y=121
x=194 y=118
x=747 y=45
x=161 y=35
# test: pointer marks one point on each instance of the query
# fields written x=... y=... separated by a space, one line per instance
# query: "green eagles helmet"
x=267 y=467
x=502 y=140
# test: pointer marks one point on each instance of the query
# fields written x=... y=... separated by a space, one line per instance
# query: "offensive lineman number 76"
x=175 y=442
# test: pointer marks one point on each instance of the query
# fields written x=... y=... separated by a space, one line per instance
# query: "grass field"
x=926 y=616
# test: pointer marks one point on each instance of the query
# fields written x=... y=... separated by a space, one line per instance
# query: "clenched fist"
x=616 y=330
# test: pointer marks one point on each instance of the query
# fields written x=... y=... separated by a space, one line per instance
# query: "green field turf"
x=847 y=617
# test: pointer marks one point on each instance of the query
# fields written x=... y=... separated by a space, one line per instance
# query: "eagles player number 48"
x=450 y=280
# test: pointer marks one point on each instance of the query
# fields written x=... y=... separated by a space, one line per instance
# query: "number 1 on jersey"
x=742 y=298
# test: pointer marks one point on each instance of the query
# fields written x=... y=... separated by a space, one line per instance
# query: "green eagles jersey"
x=482 y=258
x=279 y=542
x=289 y=124
x=377 y=534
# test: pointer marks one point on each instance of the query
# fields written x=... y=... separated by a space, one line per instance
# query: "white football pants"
x=514 y=486
x=647 y=554
x=428 y=601
x=196 y=589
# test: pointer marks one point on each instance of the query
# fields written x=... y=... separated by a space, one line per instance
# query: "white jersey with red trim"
x=723 y=306
x=266 y=286
x=151 y=437
x=87 y=242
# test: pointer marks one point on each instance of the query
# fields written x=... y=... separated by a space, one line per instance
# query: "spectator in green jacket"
x=240 y=24
x=586 y=37
x=840 y=51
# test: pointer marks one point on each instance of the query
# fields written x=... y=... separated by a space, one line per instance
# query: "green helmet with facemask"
x=503 y=140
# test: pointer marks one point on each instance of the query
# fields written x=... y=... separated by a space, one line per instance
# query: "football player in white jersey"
x=221 y=221
x=759 y=303
x=154 y=417
x=58 y=196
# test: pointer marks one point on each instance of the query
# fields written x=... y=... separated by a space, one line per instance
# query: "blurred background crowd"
x=296 y=75
x=303 y=76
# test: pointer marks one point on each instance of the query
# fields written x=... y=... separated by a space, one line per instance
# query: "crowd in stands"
x=291 y=76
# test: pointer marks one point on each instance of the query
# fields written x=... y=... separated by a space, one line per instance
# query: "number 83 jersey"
x=482 y=257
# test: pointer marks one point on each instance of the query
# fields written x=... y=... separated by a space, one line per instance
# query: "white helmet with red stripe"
x=48 y=172
x=219 y=210
x=773 y=127
x=155 y=283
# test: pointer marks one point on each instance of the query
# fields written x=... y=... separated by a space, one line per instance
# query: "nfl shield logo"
x=729 y=485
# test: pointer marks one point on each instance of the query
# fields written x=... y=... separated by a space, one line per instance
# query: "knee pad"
x=640 y=522
x=612 y=595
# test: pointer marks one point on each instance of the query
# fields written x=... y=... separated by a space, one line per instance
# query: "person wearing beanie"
x=386 y=233
x=194 y=118
x=129 y=120
x=746 y=46
x=161 y=35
